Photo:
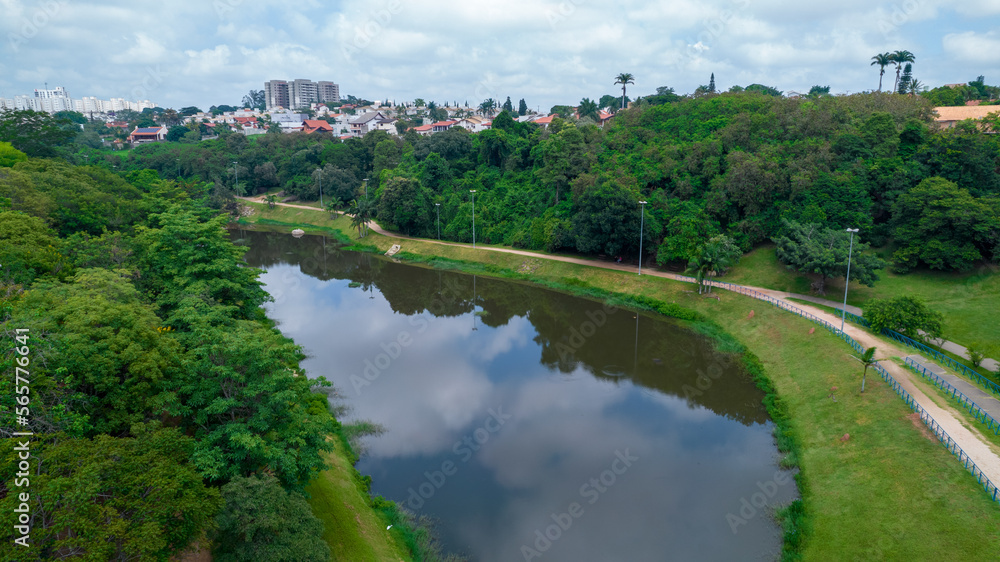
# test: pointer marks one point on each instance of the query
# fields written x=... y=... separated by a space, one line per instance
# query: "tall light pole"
x=366 y=190
x=319 y=172
x=473 y=192
x=850 y=250
x=642 y=223
x=437 y=207
x=236 y=170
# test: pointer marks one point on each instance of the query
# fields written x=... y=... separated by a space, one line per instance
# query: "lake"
x=528 y=424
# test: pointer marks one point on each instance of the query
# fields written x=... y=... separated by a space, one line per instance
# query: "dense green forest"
x=154 y=383
x=744 y=165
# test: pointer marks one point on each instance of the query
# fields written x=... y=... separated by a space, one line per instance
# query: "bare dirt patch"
x=915 y=419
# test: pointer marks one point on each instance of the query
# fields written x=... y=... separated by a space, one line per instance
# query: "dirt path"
x=974 y=445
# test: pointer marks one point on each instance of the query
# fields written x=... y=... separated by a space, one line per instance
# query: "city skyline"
x=212 y=53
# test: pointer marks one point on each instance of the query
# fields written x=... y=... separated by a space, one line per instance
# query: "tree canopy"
x=823 y=252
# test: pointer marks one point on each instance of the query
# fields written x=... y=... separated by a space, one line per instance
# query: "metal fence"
x=945 y=439
x=981 y=415
x=942 y=435
x=946 y=361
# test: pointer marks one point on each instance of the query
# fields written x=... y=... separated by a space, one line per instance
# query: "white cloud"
x=145 y=50
x=972 y=46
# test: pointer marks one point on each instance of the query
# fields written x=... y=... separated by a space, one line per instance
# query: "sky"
x=180 y=53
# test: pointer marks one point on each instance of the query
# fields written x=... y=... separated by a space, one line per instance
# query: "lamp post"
x=850 y=250
x=437 y=207
x=236 y=171
x=366 y=190
x=473 y=192
x=642 y=223
x=319 y=172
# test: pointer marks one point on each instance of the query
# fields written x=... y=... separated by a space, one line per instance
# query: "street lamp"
x=319 y=172
x=236 y=170
x=843 y=313
x=473 y=192
x=438 y=209
x=642 y=222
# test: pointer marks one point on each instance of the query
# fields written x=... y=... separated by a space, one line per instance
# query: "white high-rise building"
x=298 y=93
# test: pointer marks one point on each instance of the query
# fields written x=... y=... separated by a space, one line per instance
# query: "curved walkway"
x=952 y=347
x=972 y=442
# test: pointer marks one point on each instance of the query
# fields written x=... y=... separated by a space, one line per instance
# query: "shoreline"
x=818 y=514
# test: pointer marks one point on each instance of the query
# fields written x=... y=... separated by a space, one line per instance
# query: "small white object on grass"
x=389 y=527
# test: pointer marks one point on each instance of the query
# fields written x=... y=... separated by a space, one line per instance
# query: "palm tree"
x=488 y=106
x=359 y=216
x=867 y=359
x=624 y=79
x=882 y=60
x=700 y=266
x=271 y=200
x=588 y=108
x=899 y=58
x=916 y=86
x=333 y=205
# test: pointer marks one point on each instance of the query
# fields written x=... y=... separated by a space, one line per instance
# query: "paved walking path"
x=984 y=400
x=952 y=347
x=974 y=445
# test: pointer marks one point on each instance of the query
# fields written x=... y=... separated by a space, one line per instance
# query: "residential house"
x=371 y=121
x=316 y=126
x=147 y=134
x=442 y=126
x=545 y=121
x=948 y=117
x=474 y=124
x=247 y=122
x=424 y=130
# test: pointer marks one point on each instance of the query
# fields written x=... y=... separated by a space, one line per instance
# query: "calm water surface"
x=532 y=425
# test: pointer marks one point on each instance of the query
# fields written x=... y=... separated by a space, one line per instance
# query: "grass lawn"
x=969 y=301
x=354 y=531
x=889 y=492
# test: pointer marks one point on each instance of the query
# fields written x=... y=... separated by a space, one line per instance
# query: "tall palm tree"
x=916 y=86
x=360 y=212
x=588 y=108
x=488 y=106
x=624 y=79
x=882 y=60
x=899 y=58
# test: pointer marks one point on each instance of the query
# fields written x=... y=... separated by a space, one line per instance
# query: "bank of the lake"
x=888 y=491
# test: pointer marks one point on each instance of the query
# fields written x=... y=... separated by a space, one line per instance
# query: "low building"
x=949 y=116
x=424 y=130
x=371 y=121
x=442 y=126
x=147 y=134
x=316 y=126
x=474 y=124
